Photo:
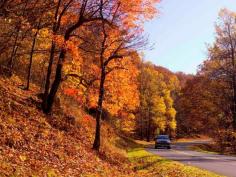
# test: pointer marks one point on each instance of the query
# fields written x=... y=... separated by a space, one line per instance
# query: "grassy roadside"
x=149 y=165
x=210 y=149
x=203 y=149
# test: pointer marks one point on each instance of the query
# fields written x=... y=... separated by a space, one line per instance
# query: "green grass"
x=210 y=149
x=201 y=149
x=147 y=164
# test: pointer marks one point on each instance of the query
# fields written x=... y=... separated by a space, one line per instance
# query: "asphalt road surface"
x=220 y=164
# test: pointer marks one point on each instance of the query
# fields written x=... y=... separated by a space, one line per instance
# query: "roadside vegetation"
x=150 y=165
x=212 y=148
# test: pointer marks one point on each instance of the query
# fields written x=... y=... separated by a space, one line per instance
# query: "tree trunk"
x=48 y=77
x=96 y=144
x=14 y=50
x=31 y=58
x=149 y=130
x=58 y=76
x=15 y=46
x=141 y=126
x=232 y=48
x=233 y=84
x=52 y=52
x=234 y=101
x=2 y=7
x=234 y=88
x=49 y=98
x=149 y=126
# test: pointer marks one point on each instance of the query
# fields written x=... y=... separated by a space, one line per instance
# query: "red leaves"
x=71 y=92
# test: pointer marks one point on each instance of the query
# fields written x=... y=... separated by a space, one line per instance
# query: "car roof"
x=163 y=136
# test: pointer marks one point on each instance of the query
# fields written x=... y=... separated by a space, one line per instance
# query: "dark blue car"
x=162 y=141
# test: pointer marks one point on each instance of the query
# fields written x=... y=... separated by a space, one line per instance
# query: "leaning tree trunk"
x=234 y=102
x=48 y=77
x=233 y=84
x=31 y=58
x=15 y=46
x=96 y=144
x=14 y=51
x=232 y=53
x=55 y=86
x=51 y=59
x=149 y=126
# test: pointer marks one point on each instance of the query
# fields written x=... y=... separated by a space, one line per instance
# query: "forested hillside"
x=72 y=84
x=90 y=55
x=35 y=144
x=85 y=49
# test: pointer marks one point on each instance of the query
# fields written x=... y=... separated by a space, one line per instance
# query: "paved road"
x=220 y=164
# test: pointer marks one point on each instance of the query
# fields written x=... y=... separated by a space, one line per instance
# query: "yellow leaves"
x=173 y=124
x=44 y=33
x=121 y=86
x=171 y=112
x=155 y=97
x=11 y=121
x=51 y=173
x=23 y=158
x=160 y=122
x=131 y=116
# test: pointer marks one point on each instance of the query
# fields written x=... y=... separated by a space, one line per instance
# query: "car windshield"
x=162 y=137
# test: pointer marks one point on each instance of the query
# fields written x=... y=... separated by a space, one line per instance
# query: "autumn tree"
x=87 y=11
x=18 y=33
x=222 y=57
x=156 y=112
x=207 y=101
x=115 y=45
x=40 y=23
x=199 y=109
x=121 y=94
x=131 y=15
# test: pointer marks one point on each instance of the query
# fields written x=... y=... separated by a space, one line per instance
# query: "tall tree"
x=87 y=11
x=130 y=16
x=223 y=53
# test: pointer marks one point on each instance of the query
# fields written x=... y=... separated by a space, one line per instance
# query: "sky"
x=180 y=32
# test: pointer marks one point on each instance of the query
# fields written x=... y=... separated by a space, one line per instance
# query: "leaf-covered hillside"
x=33 y=144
